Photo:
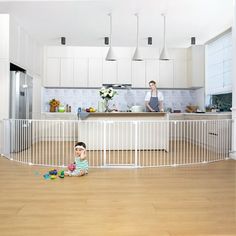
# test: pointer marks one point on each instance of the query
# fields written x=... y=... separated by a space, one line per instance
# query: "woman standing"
x=154 y=99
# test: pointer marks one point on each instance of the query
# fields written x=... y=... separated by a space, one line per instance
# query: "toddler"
x=81 y=164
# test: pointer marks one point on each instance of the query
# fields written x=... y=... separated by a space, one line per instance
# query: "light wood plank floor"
x=183 y=201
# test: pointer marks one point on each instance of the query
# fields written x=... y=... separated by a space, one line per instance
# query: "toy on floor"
x=61 y=174
x=53 y=177
x=46 y=176
x=71 y=167
x=53 y=172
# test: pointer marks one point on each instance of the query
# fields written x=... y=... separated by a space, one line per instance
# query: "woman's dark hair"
x=80 y=144
x=152 y=82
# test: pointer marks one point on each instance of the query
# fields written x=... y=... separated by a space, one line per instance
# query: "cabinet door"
x=52 y=77
x=95 y=72
x=4 y=42
x=152 y=71
x=138 y=74
x=198 y=66
x=180 y=74
x=23 y=48
x=166 y=74
x=81 y=72
x=109 y=72
x=14 y=42
x=67 y=72
x=124 y=71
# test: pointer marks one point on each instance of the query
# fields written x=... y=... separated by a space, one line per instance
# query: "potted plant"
x=54 y=104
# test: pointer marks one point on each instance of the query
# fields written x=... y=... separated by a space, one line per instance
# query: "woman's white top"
x=159 y=95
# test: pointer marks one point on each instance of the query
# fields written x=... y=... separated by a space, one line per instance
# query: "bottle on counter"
x=69 y=109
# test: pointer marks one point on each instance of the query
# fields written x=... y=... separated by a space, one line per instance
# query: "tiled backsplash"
x=175 y=99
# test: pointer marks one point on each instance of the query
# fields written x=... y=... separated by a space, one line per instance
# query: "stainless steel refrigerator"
x=21 y=87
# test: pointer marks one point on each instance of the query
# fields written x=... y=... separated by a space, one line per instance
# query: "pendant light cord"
x=137 y=29
x=164 y=29
x=110 y=27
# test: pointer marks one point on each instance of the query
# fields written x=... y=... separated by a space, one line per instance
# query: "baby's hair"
x=80 y=144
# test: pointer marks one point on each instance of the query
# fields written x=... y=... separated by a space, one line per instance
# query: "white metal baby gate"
x=117 y=143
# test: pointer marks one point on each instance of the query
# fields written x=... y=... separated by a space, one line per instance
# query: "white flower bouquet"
x=107 y=93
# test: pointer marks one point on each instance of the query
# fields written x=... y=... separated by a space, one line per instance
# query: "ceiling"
x=86 y=23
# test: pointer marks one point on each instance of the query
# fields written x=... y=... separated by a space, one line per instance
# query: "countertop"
x=132 y=115
x=199 y=116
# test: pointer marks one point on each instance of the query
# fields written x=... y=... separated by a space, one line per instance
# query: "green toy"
x=61 y=174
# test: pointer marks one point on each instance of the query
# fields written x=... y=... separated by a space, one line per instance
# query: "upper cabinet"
x=166 y=74
x=138 y=74
x=24 y=51
x=80 y=72
x=109 y=72
x=95 y=72
x=53 y=70
x=67 y=72
x=179 y=68
x=124 y=71
x=80 y=67
x=196 y=66
x=152 y=71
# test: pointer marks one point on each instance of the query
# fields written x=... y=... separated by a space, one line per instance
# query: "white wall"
x=4 y=66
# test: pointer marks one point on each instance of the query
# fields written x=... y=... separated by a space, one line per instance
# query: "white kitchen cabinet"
x=52 y=76
x=196 y=66
x=152 y=71
x=80 y=72
x=138 y=74
x=95 y=72
x=14 y=42
x=4 y=42
x=29 y=53
x=23 y=48
x=67 y=72
x=124 y=71
x=180 y=74
x=109 y=72
x=166 y=74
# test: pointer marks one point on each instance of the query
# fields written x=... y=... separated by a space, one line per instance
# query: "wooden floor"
x=183 y=201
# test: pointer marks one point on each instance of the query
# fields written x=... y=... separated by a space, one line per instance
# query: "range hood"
x=120 y=86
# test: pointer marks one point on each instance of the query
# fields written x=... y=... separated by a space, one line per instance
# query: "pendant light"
x=110 y=55
x=137 y=55
x=164 y=53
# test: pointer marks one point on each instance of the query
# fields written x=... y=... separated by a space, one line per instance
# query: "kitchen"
x=72 y=71
x=66 y=53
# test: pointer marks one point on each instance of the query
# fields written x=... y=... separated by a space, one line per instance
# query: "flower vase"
x=106 y=105
x=52 y=109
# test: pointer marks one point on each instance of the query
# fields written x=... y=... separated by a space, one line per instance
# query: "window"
x=219 y=65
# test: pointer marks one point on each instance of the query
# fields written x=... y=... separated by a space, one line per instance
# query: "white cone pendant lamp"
x=164 y=53
x=137 y=55
x=110 y=55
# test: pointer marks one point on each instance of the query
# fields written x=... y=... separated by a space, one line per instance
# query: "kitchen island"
x=118 y=130
x=106 y=116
